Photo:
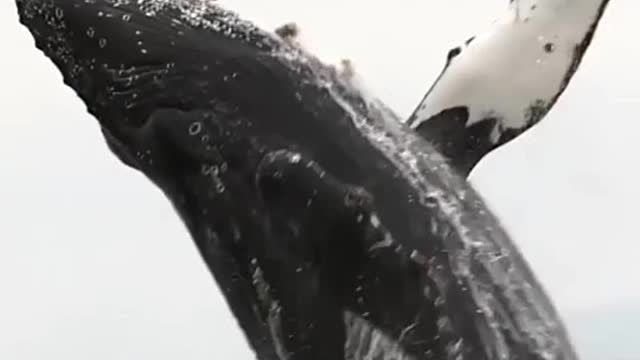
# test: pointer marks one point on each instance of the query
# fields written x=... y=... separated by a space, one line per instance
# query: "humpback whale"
x=333 y=230
x=500 y=83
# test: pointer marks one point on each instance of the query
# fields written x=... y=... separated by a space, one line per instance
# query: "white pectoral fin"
x=507 y=77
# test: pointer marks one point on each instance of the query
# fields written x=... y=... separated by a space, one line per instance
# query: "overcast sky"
x=94 y=264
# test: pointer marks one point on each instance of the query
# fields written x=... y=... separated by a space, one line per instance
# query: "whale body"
x=332 y=229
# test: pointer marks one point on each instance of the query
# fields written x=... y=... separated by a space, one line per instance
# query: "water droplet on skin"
x=210 y=170
x=375 y=221
x=431 y=202
x=195 y=128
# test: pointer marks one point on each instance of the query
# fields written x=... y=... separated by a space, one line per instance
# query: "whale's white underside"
x=521 y=61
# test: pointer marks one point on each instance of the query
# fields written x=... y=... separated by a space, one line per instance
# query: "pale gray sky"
x=94 y=263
